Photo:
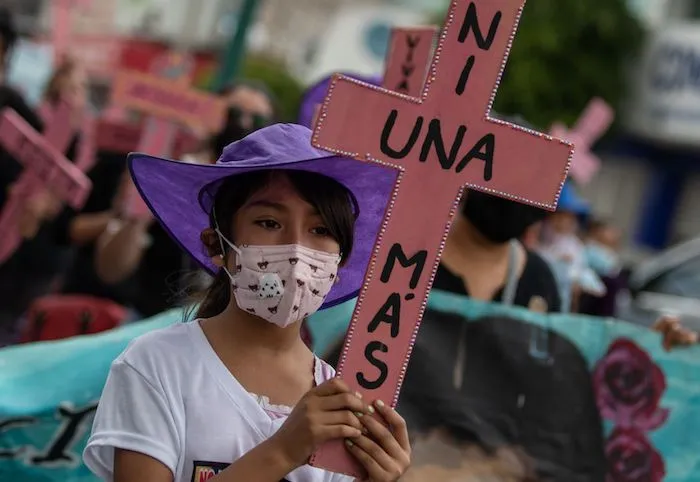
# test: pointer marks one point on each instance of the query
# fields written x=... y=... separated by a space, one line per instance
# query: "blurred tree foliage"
x=565 y=53
x=285 y=87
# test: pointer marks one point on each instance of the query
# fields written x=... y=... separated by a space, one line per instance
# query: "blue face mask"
x=602 y=260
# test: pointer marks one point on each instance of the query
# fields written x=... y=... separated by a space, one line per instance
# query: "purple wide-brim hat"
x=181 y=195
x=316 y=93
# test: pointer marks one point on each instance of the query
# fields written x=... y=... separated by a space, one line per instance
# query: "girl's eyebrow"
x=268 y=204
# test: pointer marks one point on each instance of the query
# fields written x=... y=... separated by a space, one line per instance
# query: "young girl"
x=236 y=395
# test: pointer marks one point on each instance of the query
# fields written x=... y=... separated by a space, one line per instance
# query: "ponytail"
x=214 y=300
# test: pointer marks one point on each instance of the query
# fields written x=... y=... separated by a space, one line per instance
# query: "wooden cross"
x=62 y=25
x=441 y=143
x=166 y=97
x=45 y=168
x=590 y=127
x=407 y=59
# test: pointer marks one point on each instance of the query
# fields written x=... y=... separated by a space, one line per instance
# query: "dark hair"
x=333 y=202
x=8 y=31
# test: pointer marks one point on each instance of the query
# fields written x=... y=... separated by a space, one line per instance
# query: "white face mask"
x=281 y=283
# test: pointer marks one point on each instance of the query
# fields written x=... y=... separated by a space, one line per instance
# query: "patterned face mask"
x=281 y=283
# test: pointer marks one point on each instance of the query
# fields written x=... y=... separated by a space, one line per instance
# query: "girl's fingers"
x=397 y=424
x=343 y=401
x=341 y=417
x=377 y=462
x=331 y=387
x=339 y=432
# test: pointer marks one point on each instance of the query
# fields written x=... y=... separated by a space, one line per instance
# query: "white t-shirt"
x=170 y=397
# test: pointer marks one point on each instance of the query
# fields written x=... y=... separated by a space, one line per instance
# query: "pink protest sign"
x=407 y=60
x=590 y=127
x=61 y=28
x=441 y=143
x=117 y=135
x=45 y=168
x=168 y=100
x=160 y=133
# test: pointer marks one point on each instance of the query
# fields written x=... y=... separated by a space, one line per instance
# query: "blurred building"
x=650 y=180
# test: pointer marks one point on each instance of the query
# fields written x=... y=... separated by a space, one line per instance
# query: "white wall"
x=616 y=192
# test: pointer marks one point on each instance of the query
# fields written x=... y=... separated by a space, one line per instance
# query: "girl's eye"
x=268 y=224
x=321 y=231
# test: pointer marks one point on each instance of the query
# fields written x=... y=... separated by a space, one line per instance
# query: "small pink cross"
x=408 y=59
x=590 y=127
x=45 y=168
x=62 y=25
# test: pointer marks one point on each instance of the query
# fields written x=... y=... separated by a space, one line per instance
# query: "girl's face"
x=278 y=215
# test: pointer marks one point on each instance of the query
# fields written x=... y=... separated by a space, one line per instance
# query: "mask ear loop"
x=221 y=239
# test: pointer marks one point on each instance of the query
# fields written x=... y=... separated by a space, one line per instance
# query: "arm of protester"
x=87 y=228
x=674 y=334
x=120 y=249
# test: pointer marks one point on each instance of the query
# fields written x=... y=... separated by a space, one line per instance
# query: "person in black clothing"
x=32 y=269
x=482 y=255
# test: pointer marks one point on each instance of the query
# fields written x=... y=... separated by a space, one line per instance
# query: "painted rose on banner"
x=629 y=386
x=632 y=458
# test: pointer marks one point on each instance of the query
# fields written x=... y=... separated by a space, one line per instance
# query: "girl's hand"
x=325 y=413
x=384 y=452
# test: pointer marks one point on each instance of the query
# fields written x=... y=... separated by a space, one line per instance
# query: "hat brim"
x=176 y=192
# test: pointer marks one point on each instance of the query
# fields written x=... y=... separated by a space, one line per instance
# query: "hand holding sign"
x=590 y=127
x=441 y=143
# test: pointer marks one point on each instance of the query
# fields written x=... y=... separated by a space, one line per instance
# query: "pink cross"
x=45 y=168
x=590 y=127
x=439 y=143
x=407 y=59
x=62 y=26
x=166 y=96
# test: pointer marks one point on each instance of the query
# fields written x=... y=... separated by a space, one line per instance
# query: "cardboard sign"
x=441 y=143
x=168 y=100
x=45 y=168
x=407 y=59
x=590 y=127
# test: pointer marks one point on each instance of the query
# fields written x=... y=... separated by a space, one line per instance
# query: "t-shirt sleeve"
x=133 y=414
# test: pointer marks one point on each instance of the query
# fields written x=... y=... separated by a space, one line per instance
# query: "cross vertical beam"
x=441 y=143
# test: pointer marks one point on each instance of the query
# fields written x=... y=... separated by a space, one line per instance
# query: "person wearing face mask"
x=564 y=250
x=235 y=395
x=601 y=251
x=484 y=260
x=137 y=255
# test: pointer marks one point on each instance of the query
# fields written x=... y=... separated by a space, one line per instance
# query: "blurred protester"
x=251 y=107
x=483 y=259
x=68 y=83
x=602 y=247
x=33 y=268
x=562 y=247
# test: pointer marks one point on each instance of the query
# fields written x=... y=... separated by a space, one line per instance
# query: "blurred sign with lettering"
x=665 y=107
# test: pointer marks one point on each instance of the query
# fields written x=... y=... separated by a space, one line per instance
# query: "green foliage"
x=285 y=87
x=565 y=53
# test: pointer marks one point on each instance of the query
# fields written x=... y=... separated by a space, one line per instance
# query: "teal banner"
x=647 y=400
